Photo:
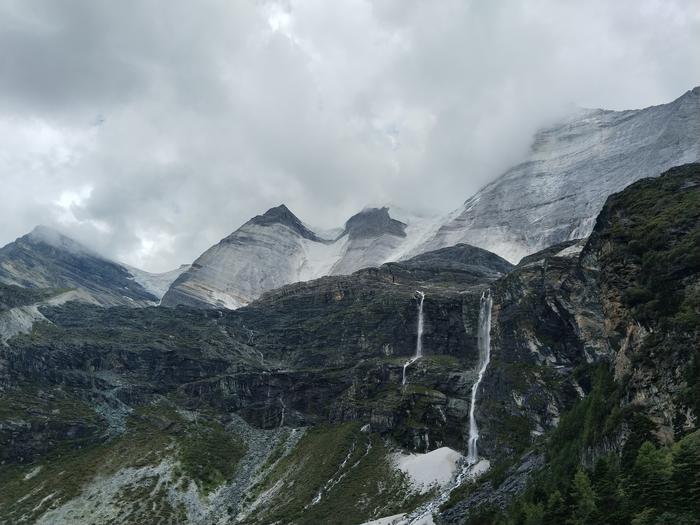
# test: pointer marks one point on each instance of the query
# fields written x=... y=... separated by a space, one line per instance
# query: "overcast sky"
x=151 y=129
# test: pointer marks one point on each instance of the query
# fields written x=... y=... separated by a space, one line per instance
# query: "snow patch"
x=156 y=283
x=571 y=251
x=29 y=475
x=389 y=520
x=437 y=467
x=21 y=319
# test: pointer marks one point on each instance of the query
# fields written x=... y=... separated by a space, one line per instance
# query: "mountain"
x=45 y=258
x=575 y=373
x=552 y=196
x=556 y=193
x=275 y=249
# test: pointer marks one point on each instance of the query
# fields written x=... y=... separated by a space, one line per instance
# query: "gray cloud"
x=152 y=129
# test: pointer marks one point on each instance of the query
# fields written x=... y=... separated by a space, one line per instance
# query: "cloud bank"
x=150 y=130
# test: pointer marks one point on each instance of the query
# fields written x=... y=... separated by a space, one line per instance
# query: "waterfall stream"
x=472 y=467
x=419 y=341
x=484 y=344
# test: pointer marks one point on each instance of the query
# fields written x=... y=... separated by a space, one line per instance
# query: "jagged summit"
x=277 y=248
x=372 y=222
x=283 y=215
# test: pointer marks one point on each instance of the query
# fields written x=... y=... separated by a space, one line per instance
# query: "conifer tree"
x=651 y=478
x=583 y=506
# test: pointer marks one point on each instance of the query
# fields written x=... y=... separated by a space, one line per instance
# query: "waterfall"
x=284 y=410
x=484 y=344
x=419 y=341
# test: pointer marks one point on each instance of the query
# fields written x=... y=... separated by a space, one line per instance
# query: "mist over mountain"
x=552 y=197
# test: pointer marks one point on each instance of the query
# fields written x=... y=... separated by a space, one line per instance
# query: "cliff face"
x=554 y=195
x=630 y=301
x=646 y=246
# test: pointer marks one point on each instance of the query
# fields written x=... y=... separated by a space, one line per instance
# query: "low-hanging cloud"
x=150 y=130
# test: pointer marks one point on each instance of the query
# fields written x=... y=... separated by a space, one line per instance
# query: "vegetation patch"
x=335 y=474
x=205 y=452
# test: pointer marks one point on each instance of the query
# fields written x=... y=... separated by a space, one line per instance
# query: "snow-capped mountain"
x=556 y=193
x=45 y=258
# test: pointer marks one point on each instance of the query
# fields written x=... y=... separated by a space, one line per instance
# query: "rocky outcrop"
x=646 y=246
x=494 y=493
x=628 y=298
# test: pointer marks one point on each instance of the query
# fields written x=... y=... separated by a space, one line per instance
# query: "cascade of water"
x=419 y=341
x=284 y=410
x=484 y=344
x=472 y=468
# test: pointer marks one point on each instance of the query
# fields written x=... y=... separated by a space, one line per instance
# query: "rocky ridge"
x=45 y=258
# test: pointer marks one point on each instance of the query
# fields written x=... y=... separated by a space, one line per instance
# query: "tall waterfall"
x=484 y=344
x=419 y=341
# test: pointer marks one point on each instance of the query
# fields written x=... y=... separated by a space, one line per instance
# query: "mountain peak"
x=372 y=222
x=283 y=215
x=42 y=234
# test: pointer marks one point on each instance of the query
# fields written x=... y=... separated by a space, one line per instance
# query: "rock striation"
x=556 y=193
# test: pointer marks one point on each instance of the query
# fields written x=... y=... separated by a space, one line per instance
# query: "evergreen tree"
x=610 y=498
x=644 y=517
x=533 y=513
x=583 y=506
x=686 y=473
x=651 y=478
x=556 y=511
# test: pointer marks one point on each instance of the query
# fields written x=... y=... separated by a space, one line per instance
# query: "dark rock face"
x=547 y=321
x=282 y=215
x=327 y=350
x=374 y=222
x=46 y=259
x=491 y=495
x=460 y=262
x=13 y=296
x=339 y=344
